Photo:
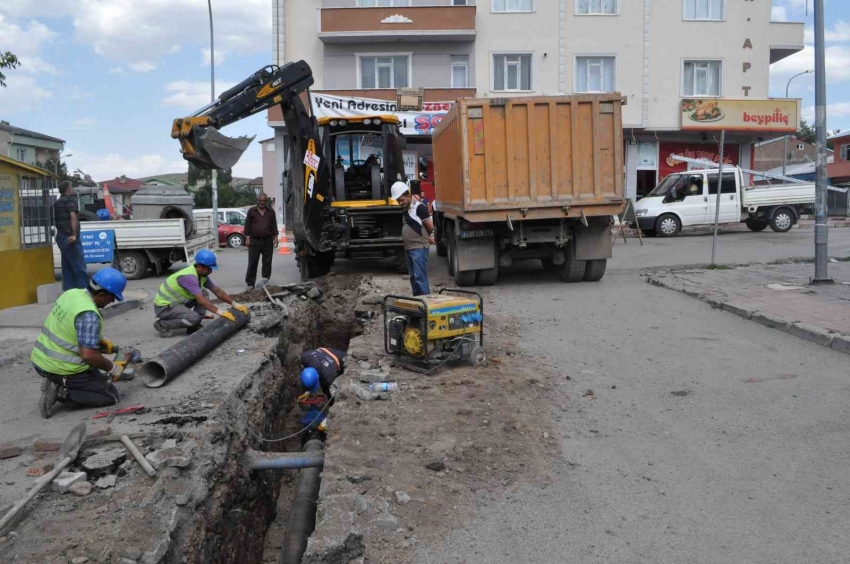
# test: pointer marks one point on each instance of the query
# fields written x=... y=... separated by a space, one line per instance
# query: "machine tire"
x=668 y=225
x=782 y=220
x=88 y=216
x=572 y=270
x=235 y=240
x=488 y=276
x=595 y=270
x=477 y=356
x=548 y=265
x=756 y=225
x=450 y=254
x=134 y=264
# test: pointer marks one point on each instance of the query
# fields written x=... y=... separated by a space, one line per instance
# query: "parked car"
x=231 y=225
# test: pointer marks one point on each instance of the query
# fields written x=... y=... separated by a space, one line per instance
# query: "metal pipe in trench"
x=174 y=360
x=285 y=460
x=302 y=512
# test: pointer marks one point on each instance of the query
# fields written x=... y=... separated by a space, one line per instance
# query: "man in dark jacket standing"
x=67 y=217
x=261 y=237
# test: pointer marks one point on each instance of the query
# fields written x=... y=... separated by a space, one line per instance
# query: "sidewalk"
x=778 y=296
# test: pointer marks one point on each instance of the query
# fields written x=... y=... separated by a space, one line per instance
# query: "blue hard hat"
x=111 y=280
x=310 y=378
x=103 y=214
x=206 y=257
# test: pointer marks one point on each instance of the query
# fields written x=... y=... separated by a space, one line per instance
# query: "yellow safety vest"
x=171 y=292
x=57 y=349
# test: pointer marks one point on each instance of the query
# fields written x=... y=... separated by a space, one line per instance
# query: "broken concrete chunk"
x=168 y=457
x=314 y=293
x=387 y=523
x=169 y=443
x=9 y=450
x=66 y=479
x=106 y=482
x=99 y=432
x=402 y=498
x=357 y=478
x=79 y=560
x=45 y=445
x=39 y=469
x=81 y=489
x=105 y=460
x=131 y=553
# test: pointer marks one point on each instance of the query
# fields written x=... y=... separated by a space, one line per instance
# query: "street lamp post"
x=821 y=227
x=212 y=99
x=59 y=161
x=785 y=148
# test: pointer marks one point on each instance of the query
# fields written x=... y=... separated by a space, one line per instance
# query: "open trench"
x=244 y=517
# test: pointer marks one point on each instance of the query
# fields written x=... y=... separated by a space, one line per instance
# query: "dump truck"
x=528 y=178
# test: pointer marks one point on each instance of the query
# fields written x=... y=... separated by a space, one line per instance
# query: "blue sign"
x=98 y=246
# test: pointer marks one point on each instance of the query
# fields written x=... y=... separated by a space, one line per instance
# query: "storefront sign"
x=706 y=152
x=740 y=115
x=98 y=246
x=411 y=123
x=10 y=230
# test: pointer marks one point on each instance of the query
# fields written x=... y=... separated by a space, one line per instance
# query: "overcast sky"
x=109 y=76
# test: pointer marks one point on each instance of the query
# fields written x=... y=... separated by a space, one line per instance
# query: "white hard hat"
x=398 y=189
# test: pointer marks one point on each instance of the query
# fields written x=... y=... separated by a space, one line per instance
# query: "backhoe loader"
x=337 y=184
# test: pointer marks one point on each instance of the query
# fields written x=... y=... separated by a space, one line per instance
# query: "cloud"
x=22 y=93
x=117 y=70
x=191 y=95
x=142 y=66
x=108 y=166
x=778 y=14
x=833 y=112
x=85 y=122
x=26 y=43
x=219 y=57
x=837 y=63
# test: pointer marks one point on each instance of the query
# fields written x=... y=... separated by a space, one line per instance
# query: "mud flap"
x=478 y=253
x=593 y=242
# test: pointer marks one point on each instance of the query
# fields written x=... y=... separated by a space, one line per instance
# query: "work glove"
x=240 y=307
x=117 y=370
x=228 y=315
x=107 y=346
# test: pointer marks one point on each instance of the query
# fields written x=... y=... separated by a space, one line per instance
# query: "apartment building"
x=670 y=59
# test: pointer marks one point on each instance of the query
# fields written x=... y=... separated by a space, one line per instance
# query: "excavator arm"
x=309 y=183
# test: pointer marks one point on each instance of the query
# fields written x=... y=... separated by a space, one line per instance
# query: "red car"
x=231 y=235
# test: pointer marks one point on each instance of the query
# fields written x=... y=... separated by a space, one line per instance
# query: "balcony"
x=786 y=38
x=411 y=23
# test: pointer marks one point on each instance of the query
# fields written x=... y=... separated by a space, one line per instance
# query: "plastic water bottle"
x=384 y=387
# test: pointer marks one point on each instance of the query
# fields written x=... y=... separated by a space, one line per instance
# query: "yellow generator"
x=425 y=332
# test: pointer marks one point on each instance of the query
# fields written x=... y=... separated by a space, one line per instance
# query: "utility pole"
x=212 y=99
x=785 y=148
x=717 y=195
x=821 y=227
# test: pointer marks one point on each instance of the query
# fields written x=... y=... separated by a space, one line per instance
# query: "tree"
x=806 y=133
x=7 y=61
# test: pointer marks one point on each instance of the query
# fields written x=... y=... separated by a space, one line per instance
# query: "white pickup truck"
x=690 y=198
x=156 y=244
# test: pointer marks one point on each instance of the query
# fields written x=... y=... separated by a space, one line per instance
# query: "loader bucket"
x=214 y=150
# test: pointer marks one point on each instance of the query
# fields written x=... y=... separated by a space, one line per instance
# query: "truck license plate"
x=476 y=233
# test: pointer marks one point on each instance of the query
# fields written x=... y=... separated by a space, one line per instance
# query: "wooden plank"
x=554 y=152
x=533 y=177
x=520 y=144
x=510 y=157
x=489 y=155
x=597 y=168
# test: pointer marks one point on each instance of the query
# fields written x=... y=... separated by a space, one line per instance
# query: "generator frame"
x=427 y=365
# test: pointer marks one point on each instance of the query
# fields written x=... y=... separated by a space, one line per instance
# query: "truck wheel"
x=235 y=240
x=450 y=254
x=782 y=220
x=401 y=262
x=572 y=270
x=548 y=264
x=595 y=270
x=442 y=249
x=488 y=276
x=668 y=225
x=756 y=224
x=134 y=265
x=88 y=216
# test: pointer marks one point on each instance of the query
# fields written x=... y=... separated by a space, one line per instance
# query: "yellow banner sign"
x=740 y=115
x=10 y=212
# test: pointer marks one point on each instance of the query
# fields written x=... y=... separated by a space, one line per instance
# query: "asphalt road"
x=708 y=438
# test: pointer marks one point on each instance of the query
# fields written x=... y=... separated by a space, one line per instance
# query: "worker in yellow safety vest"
x=68 y=353
x=181 y=301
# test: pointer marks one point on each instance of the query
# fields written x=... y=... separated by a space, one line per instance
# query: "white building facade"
x=654 y=52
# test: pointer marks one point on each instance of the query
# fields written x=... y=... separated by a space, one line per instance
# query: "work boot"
x=49 y=397
x=163 y=332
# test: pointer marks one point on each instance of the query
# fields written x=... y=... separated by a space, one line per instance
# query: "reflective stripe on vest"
x=172 y=293
x=333 y=356
x=57 y=349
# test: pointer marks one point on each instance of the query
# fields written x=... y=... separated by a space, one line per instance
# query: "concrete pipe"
x=174 y=360
x=257 y=460
x=302 y=512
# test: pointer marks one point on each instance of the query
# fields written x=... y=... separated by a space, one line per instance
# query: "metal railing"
x=38 y=195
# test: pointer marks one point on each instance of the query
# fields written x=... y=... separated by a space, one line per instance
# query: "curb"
x=818 y=335
x=120 y=307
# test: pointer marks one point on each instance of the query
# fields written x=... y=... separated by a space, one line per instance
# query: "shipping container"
x=529 y=178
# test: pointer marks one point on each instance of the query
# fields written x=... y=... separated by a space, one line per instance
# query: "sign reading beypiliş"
x=98 y=246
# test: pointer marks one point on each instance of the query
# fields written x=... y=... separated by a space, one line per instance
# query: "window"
x=728 y=184
x=460 y=71
x=235 y=218
x=513 y=6
x=459 y=2
x=594 y=74
x=512 y=72
x=596 y=7
x=270 y=147
x=800 y=147
x=702 y=78
x=385 y=71
x=845 y=152
x=382 y=3
x=704 y=9
x=22 y=155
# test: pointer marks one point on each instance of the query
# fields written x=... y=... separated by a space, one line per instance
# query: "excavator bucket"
x=214 y=150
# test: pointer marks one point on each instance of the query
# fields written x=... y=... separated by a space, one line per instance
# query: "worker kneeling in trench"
x=321 y=367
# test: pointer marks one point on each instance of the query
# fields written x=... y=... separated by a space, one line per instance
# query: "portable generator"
x=425 y=332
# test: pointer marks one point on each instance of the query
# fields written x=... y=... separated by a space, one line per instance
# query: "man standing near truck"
x=67 y=217
x=417 y=232
x=261 y=237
